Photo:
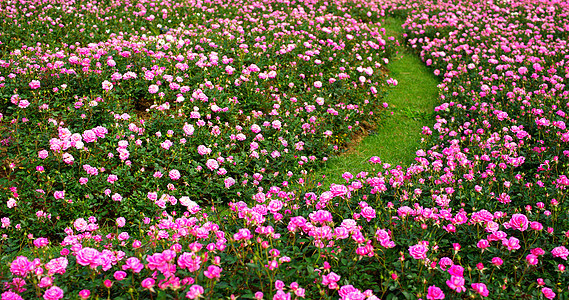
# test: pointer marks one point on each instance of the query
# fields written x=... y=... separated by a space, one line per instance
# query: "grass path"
x=398 y=136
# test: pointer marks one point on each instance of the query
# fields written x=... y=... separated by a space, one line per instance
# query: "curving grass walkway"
x=398 y=136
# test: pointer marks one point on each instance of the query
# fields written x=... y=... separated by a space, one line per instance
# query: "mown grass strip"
x=398 y=136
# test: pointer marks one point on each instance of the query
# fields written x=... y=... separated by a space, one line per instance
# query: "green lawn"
x=398 y=136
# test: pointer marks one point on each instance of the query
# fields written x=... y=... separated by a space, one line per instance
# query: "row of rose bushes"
x=213 y=110
x=481 y=213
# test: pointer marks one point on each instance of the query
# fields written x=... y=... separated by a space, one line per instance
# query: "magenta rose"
x=418 y=251
x=53 y=293
x=435 y=293
x=560 y=251
x=88 y=257
x=519 y=222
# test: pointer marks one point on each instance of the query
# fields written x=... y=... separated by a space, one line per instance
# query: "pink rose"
x=35 y=84
x=107 y=85
x=368 y=213
x=519 y=222
x=212 y=164
x=134 y=264
x=532 y=259
x=121 y=222
x=153 y=89
x=188 y=129
x=445 y=262
x=59 y=194
x=512 y=243
x=497 y=261
x=120 y=275
x=536 y=226
x=435 y=293
x=203 y=150
x=483 y=244
x=24 y=104
x=456 y=283
x=456 y=270
x=213 y=272
x=84 y=294
x=195 y=292
x=21 y=266
x=100 y=131
x=89 y=136
x=560 y=251
x=229 y=181
x=174 y=174
x=418 y=251
x=189 y=261
x=88 y=257
x=548 y=293
x=481 y=289
x=41 y=242
x=11 y=296
x=43 y=154
x=53 y=293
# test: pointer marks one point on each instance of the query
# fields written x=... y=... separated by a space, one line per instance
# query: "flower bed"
x=176 y=162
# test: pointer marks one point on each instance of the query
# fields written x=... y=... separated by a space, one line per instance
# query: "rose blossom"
x=481 y=289
x=435 y=293
x=519 y=222
x=35 y=84
x=53 y=293
x=560 y=251
x=418 y=251
x=174 y=174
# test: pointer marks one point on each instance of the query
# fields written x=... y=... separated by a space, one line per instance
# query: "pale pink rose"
x=188 y=129
x=229 y=181
x=100 y=131
x=174 y=174
x=89 y=136
x=24 y=104
x=59 y=194
x=43 y=154
x=212 y=164
x=35 y=84
x=203 y=150
x=121 y=222
x=153 y=89
x=107 y=86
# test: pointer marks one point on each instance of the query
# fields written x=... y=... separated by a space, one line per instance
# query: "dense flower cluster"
x=177 y=159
